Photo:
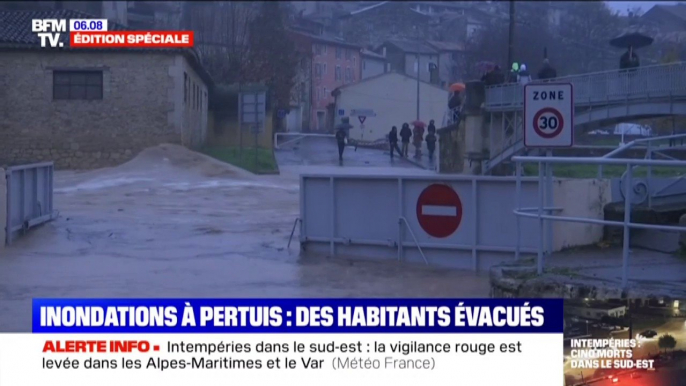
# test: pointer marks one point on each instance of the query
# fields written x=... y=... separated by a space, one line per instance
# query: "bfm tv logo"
x=49 y=31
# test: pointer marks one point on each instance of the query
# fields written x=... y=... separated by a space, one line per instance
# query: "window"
x=338 y=73
x=77 y=85
x=324 y=49
x=318 y=70
x=185 y=87
x=339 y=54
x=354 y=61
x=324 y=68
x=326 y=93
x=348 y=75
x=317 y=49
x=348 y=54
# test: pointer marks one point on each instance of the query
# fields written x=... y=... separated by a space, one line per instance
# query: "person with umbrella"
x=631 y=41
x=455 y=101
x=341 y=139
x=405 y=135
x=418 y=138
x=393 y=141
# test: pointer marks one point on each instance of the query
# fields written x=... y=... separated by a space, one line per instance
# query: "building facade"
x=412 y=57
x=93 y=109
x=373 y=64
x=393 y=99
x=333 y=64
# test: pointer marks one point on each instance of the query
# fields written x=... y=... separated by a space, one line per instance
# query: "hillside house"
x=388 y=20
x=412 y=57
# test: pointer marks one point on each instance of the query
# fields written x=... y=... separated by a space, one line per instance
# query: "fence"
x=29 y=197
x=404 y=217
x=543 y=211
x=602 y=88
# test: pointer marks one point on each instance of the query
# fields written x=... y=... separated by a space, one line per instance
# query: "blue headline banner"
x=297 y=315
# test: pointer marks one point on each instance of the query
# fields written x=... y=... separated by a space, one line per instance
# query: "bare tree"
x=272 y=58
x=221 y=36
x=576 y=36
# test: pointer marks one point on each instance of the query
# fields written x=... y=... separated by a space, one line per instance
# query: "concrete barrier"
x=579 y=198
x=384 y=217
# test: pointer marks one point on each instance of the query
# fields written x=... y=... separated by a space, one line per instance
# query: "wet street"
x=173 y=223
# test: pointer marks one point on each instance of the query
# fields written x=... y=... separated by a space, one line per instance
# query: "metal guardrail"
x=545 y=199
x=29 y=197
x=651 y=151
x=604 y=88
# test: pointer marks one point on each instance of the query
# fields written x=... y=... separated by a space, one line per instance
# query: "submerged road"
x=173 y=223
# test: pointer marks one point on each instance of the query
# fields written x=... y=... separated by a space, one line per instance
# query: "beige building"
x=86 y=108
x=392 y=97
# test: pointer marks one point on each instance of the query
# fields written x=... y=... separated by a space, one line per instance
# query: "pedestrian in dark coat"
x=393 y=141
x=431 y=144
x=432 y=127
x=547 y=71
x=405 y=135
x=341 y=136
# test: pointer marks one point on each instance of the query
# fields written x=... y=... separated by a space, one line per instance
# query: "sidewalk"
x=594 y=273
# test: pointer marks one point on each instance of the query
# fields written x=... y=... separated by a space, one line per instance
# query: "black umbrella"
x=344 y=126
x=632 y=39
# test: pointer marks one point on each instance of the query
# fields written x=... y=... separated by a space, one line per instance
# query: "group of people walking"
x=518 y=74
x=417 y=137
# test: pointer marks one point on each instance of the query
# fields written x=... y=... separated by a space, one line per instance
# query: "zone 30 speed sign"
x=548 y=115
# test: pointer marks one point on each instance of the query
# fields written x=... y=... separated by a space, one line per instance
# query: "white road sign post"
x=548 y=124
x=548 y=115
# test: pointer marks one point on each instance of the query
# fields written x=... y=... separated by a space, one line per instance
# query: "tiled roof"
x=15 y=33
x=413 y=47
x=326 y=39
x=15 y=26
x=678 y=10
x=446 y=46
x=371 y=54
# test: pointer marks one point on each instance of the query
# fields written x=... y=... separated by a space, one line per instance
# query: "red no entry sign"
x=548 y=122
x=439 y=210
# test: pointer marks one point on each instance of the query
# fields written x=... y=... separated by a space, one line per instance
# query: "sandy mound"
x=179 y=157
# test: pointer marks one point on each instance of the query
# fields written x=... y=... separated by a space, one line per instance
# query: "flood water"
x=172 y=223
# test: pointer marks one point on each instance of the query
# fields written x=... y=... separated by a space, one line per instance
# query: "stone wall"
x=451 y=149
x=142 y=106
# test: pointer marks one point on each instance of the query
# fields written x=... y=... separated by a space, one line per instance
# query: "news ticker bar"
x=298 y=315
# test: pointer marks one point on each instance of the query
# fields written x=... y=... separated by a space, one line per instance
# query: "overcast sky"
x=622 y=6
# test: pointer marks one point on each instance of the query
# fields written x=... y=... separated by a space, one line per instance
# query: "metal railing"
x=652 y=149
x=544 y=211
x=603 y=88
